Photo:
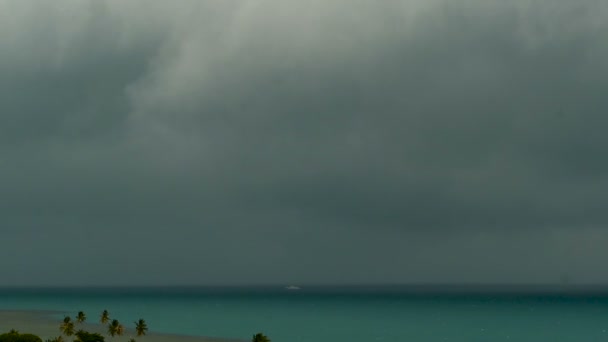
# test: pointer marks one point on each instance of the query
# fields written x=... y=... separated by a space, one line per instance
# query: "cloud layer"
x=272 y=141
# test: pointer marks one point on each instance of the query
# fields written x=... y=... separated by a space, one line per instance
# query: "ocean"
x=339 y=314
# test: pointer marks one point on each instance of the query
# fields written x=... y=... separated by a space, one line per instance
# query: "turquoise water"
x=334 y=315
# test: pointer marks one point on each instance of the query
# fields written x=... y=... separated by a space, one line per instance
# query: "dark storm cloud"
x=381 y=138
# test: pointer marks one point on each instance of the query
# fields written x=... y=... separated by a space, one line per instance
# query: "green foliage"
x=85 y=336
x=141 y=327
x=29 y=338
x=67 y=327
x=259 y=337
x=81 y=317
x=15 y=336
x=105 y=317
x=56 y=339
x=115 y=328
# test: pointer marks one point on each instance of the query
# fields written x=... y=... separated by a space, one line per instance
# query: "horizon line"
x=313 y=285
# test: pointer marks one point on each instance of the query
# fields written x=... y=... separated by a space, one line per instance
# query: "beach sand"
x=46 y=325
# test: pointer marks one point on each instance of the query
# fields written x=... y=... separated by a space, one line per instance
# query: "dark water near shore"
x=349 y=314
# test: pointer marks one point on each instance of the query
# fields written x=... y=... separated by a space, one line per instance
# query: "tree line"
x=114 y=328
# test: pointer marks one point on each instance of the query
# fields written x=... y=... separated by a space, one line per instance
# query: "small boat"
x=292 y=287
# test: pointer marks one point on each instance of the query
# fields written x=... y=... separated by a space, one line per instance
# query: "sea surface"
x=340 y=314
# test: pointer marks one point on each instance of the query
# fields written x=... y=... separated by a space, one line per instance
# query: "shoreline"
x=44 y=324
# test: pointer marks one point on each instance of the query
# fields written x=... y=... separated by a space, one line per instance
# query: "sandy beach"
x=46 y=325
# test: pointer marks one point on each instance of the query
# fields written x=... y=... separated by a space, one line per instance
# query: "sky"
x=201 y=142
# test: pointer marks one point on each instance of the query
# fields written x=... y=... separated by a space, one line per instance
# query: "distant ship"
x=292 y=287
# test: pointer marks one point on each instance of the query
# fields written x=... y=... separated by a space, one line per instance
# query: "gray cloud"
x=281 y=141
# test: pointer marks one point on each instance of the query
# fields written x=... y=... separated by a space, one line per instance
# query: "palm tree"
x=81 y=317
x=71 y=329
x=141 y=327
x=67 y=327
x=114 y=328
x=259 y=337
x=105 y=317
x=120 y=330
